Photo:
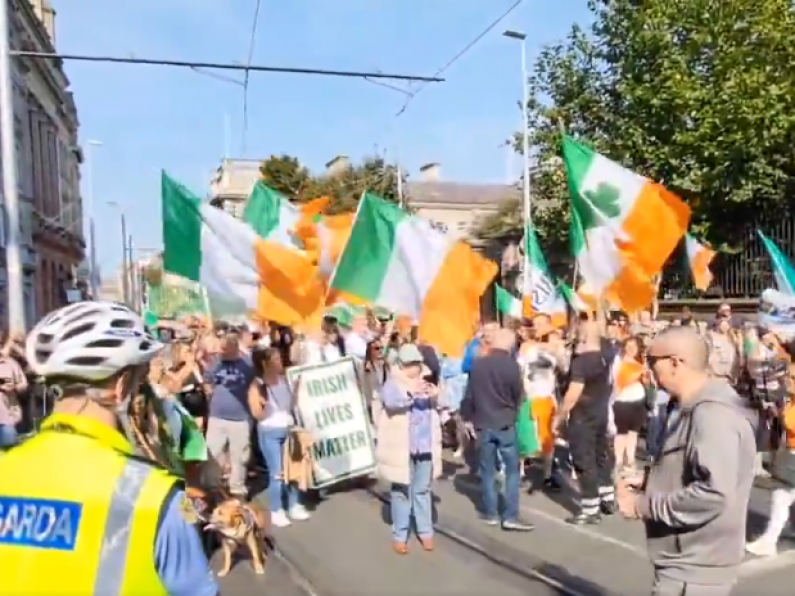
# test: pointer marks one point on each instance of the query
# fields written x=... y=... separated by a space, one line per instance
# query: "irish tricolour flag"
x=232 y=260
x=507 y=304
x=541 y=294
x=623 y=226
x=699 y=258
x=783 y=271
x=399 y=261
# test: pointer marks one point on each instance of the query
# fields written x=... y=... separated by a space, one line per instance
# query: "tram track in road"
x=523 y=568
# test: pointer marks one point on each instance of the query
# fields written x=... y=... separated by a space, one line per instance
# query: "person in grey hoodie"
x=694 y=499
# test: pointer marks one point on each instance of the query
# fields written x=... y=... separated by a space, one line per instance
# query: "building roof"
x=235 y=178
x=452 y=194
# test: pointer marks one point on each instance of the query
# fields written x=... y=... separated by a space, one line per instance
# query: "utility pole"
x=131 y=272
x=93 y=270
x=14 y=280
x=125 y=274
x=526 y=210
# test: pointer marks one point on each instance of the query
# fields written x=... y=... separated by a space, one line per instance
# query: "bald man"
x=695 y=498
x=585 y=411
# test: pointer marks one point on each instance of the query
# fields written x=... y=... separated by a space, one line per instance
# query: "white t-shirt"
x=538 y=372
x=355 y=345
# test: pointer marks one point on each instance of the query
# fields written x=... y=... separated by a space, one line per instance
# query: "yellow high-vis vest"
x=79 y=513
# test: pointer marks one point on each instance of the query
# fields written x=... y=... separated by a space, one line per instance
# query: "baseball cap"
x=410 y=354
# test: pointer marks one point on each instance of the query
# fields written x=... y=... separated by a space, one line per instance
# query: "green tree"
x=345 y=188
x=697 y=94
x=549 y=210
x=285 y=174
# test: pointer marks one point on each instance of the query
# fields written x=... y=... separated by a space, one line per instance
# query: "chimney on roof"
x=337 y=165
x=431 y=172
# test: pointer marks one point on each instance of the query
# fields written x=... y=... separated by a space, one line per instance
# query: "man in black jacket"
x=491 y=404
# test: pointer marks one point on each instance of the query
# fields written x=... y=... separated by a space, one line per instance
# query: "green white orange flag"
x=399 y=261
x=699 y=258
x=324 y=237
x=274 y=218
x=507 y=304
x=623 y=226
x=577 y=300
x=541 y=295
x=230 y=259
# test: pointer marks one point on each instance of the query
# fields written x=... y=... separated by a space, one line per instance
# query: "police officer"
x=80 y=514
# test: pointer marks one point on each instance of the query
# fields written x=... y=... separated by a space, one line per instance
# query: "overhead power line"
x=460 y=54
x=226 y=66
x=247 y=72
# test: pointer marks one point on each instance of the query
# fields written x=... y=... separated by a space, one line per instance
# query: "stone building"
x=48 y=161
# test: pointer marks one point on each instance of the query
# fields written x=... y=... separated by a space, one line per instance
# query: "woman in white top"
x=271 y=401
x=629 y=401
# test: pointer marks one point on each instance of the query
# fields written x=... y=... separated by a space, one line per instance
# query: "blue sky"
x=152 y=118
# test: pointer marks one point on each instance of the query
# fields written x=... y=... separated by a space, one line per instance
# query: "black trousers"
x=591 y=454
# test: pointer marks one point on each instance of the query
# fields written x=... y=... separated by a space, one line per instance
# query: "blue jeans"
x=491 y=443
x=271 y=444
x=8 y=436
x=415 y=498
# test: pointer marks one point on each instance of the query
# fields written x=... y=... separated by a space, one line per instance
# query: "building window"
x=437 y=225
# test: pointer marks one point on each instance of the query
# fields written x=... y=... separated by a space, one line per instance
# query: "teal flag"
x=783 y=270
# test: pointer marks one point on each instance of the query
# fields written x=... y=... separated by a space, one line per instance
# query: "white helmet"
x=89 y=341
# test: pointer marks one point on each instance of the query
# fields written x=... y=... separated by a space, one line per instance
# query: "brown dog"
x=239 y=523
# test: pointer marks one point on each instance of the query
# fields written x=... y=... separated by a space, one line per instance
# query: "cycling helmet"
x=89 y=341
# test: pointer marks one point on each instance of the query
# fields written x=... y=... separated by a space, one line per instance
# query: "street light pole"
x=528 y=215
x=93 y=273
x=14 y=274
x=125 y=274
x=133 y=273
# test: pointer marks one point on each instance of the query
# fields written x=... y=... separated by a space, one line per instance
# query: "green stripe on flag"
x=364 y=262
x=263 y=209
x=507 y=304
x=783 y=272
x=182 y=229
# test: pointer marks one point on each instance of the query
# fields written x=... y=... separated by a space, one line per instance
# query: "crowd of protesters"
x=590 y=392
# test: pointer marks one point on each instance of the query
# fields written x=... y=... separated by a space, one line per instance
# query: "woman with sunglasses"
x=376 y=371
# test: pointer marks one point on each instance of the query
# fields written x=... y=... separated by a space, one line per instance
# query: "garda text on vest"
x=39 y=523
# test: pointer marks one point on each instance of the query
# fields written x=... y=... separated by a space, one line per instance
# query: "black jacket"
x=494 y=392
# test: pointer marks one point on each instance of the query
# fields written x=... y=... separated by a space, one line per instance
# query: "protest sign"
x=331 y=407
x=777 y=313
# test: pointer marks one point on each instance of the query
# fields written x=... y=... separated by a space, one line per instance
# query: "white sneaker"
x=298 y=513
x=762 y=548
x=279 y=519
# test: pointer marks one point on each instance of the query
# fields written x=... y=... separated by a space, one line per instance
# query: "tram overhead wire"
x=225 y=66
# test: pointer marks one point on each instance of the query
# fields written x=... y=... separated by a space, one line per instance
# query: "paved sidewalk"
x=611 y=556
x=242 y=581
x=345 y=550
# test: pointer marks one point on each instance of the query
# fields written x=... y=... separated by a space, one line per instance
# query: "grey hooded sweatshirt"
x=696 y=497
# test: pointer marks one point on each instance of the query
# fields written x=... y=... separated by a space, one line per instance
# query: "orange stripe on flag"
x=527 y=307
x=702 y=276
x=633 y=290
x=289 y=290
x=314 y=207
x=654 y=227
x=451 y=307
